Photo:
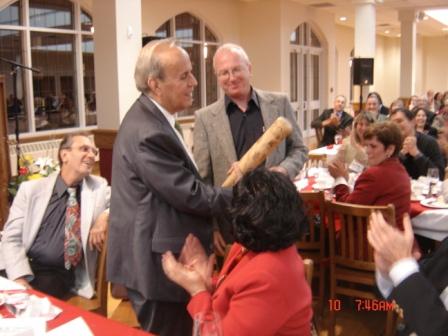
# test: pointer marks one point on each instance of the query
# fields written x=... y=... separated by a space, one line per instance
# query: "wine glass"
x=207 y=324
x=433 y=177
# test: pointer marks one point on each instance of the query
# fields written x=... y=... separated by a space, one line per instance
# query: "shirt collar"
x=167 y=115
x=253 y=97
x=60 y=187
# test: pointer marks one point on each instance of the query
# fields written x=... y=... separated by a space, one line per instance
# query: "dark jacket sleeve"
x=317 y=123
x=424 y=312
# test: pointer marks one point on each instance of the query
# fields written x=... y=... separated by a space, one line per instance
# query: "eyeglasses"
x=86 y=149
x=224 y=74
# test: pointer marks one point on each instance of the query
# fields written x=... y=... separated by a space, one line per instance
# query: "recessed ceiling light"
x=343 y=18
x=398 y=35
x=387 y=31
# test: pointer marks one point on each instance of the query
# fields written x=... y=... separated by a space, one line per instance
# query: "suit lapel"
x=270 y=113
x=168 y=129
x=221 y=126
x=87 y=207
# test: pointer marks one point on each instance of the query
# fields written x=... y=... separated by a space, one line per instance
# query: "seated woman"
x=261 y=289
x=422 y=123
x=385 y=181
x=352 y=148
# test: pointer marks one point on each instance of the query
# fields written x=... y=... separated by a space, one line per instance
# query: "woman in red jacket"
x=261 y=289
x=385 y=181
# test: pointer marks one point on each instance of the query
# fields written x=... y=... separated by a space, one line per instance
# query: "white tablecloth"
x=431 y=223
x=325 y=150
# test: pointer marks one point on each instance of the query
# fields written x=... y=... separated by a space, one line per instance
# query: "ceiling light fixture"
x=343 y=18
x=387 y=31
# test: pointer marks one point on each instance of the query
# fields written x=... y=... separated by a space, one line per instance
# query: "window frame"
x=202 y=67
x=28 y=94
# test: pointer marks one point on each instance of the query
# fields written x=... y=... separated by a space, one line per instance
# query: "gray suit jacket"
x=158 y=198
x=25 y=218
x=214 y=150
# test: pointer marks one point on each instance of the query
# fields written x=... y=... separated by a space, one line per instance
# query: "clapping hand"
x=337 y=169
x=390 y=244
x=194 y=268
x=410 y=146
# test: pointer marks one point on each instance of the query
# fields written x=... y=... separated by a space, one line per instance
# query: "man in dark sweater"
x=419 y=151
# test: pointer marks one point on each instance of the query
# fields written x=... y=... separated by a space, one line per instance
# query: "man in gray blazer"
x=32 y=248
x=226 y=129
x=158 y=196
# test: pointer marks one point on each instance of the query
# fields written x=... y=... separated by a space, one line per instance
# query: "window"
x=201 y=44
x=305 y=74
x=52 y=38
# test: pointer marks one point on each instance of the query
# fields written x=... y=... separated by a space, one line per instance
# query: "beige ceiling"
x=386 y=14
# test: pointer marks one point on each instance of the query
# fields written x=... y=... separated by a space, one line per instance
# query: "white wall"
x=435 y=64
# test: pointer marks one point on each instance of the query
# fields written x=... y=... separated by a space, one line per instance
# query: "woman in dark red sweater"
x=385 y=181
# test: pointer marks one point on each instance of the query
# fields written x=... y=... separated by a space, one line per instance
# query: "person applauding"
x=261 y=289
x=385 y=181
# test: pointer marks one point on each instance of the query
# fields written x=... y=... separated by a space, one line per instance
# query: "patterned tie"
x=72 y=241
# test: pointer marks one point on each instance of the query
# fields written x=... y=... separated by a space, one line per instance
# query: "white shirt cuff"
x=385 y=285
x=402 y=269
x=340 y=180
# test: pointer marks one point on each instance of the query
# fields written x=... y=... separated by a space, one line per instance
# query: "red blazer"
x=264 y=294
x=385 y=183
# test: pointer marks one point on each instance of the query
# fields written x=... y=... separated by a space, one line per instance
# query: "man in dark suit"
x=419 y=151
x=334 y=121
x=158 y=195
x=421 y=293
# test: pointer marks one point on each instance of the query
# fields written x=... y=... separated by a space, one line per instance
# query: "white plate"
x=433 y=203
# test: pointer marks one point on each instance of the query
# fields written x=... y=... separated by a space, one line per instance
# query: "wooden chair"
x=309 y=267
x=319 y=135
x=312 y=244
x=123 y=312
x=352 y=269
x=98 y=303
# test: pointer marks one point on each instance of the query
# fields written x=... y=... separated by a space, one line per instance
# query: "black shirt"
x=48 y=246
x=246 y=126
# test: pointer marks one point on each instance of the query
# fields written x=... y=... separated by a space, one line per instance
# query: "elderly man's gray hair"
x=235 y=48
x=149 y=64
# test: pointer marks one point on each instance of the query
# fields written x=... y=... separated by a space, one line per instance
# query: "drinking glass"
x=433 y=175
x=207 y=324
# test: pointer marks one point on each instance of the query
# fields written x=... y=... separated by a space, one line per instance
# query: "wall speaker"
x=362 y=71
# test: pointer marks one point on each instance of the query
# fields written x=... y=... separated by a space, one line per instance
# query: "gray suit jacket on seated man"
x=158 y=197
x=35 y=226
x=226 y=129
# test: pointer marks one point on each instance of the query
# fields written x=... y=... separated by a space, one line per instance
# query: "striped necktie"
x=72 y=240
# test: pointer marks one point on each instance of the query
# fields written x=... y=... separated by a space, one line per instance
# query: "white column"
x=365 y=28
x=118 y=40
x=408 y=52
x=365 y=37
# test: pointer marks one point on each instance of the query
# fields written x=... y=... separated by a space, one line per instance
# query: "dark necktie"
x=72 y=240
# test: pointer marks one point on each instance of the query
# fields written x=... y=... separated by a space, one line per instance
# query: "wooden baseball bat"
x=261 y=149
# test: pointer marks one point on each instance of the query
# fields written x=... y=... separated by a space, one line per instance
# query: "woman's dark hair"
x=427 y=112
x=387 y=133
x=267 y=212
